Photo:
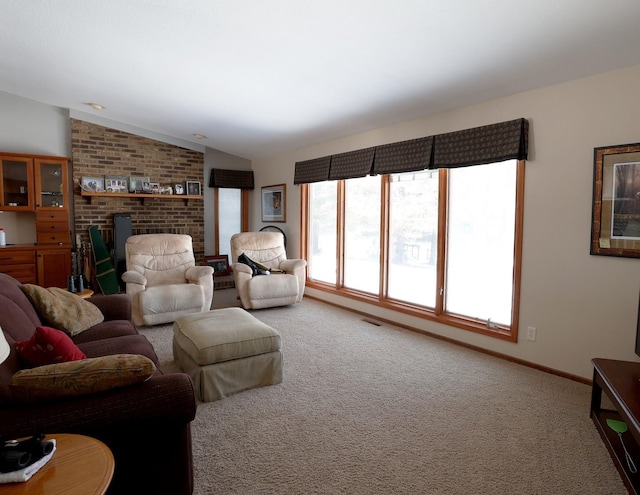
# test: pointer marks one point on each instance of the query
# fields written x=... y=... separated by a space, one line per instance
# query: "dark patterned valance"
x=480 y=145
x=352 y=164
x=405 y=156
x=487 y=144
x=234 y=179
x=315 y=170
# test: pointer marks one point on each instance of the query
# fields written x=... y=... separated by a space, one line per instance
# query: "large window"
x=443 y=244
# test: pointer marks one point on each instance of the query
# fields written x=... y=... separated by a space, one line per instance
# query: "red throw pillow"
x=48 y=346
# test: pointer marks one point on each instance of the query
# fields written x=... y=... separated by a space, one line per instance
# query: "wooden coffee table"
x=80 y=466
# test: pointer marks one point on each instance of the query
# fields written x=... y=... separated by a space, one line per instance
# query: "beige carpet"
x=365 y=409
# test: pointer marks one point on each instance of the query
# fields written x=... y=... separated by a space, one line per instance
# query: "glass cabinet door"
x=17 y=183
x=51 y=183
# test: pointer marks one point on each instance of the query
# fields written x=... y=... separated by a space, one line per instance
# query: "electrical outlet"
x=531 y=333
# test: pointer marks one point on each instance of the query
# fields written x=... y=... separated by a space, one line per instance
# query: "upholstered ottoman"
x=226 y=351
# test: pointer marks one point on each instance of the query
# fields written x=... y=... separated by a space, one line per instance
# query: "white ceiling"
x=259 y=77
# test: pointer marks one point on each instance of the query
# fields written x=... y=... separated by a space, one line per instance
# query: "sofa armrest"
x=114 y=306
x=167 y=398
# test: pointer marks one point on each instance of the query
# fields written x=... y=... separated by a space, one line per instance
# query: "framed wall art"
x=615 y=229
x=273 y=203
x=219 y=263
x=194 y=188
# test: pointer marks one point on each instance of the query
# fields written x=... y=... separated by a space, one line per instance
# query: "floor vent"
x=372 y=322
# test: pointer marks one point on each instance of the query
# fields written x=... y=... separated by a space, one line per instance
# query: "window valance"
x=234 y=179
x=352 y=164
x=480 y=145
x=315 y=170
x=476 y=146
x=405 y=156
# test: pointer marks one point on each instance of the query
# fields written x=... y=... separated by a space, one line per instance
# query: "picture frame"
x=274 y=203
x=194 y=188
x=137 y=184
x=615 y=229
x=178 y=188
x=219 y=263
x=116 y=184
x=155 y=187
x=92 y=184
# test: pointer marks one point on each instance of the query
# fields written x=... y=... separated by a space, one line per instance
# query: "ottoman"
x=226 y=351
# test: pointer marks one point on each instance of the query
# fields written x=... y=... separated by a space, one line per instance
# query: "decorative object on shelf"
x=92 y=184
x=615 y=229
x=219 y=263
x=273 y=203
x=116 y=183
x=155 y=187
x=194 y=188
x=179 y=188
x=136 y=184
x=166 y=190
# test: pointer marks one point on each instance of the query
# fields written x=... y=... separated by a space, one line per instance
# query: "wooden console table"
x=620 y=381
x=80 y=466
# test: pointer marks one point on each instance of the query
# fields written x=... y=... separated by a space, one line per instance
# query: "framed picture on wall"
x=219 y=263
x=615 y=229
x=273 y=203
x=194 y=188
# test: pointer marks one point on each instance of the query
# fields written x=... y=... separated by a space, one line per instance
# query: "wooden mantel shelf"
x=141 y=197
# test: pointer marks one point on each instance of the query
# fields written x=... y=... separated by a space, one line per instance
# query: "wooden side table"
x=85 y=294
x=80 y=466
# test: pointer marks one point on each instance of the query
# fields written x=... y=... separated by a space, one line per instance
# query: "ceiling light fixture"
x=199 y=136
x=96 y=106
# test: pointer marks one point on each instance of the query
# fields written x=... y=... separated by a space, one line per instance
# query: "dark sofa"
x=146 y=425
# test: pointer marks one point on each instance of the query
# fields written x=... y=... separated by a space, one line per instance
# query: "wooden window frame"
x=437 y=314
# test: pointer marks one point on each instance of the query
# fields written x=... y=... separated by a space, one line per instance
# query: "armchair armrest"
x=114 y=306
x=195 y=273
x=131 y=277
x=291 y=266
x=242 y=268
x=161 y=398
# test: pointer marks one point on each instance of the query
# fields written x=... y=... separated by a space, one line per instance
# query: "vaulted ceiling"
x=257 y=77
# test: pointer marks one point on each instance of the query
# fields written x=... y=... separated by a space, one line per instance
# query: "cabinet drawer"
x=54 y=237
x=23 y=273
x=8 y=257
x=52 y=227
x=52 y=216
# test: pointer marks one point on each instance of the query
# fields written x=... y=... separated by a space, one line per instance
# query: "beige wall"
x=583 y=306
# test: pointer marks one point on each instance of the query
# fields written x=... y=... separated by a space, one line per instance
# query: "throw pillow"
x=62 y=309
x=48 y=346
x=75 y=378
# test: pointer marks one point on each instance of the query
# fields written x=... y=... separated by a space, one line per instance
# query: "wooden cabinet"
x=37 y=183
x=20 y=263
x=54 y=266
x=16 y=183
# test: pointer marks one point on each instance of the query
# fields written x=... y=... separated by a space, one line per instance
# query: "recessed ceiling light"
x=96 y=106
x=199 y=136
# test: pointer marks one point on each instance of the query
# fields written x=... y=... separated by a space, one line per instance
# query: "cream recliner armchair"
x=163 y=280
x=266 y=291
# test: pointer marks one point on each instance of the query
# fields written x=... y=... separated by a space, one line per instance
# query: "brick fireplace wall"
x=98 y=151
